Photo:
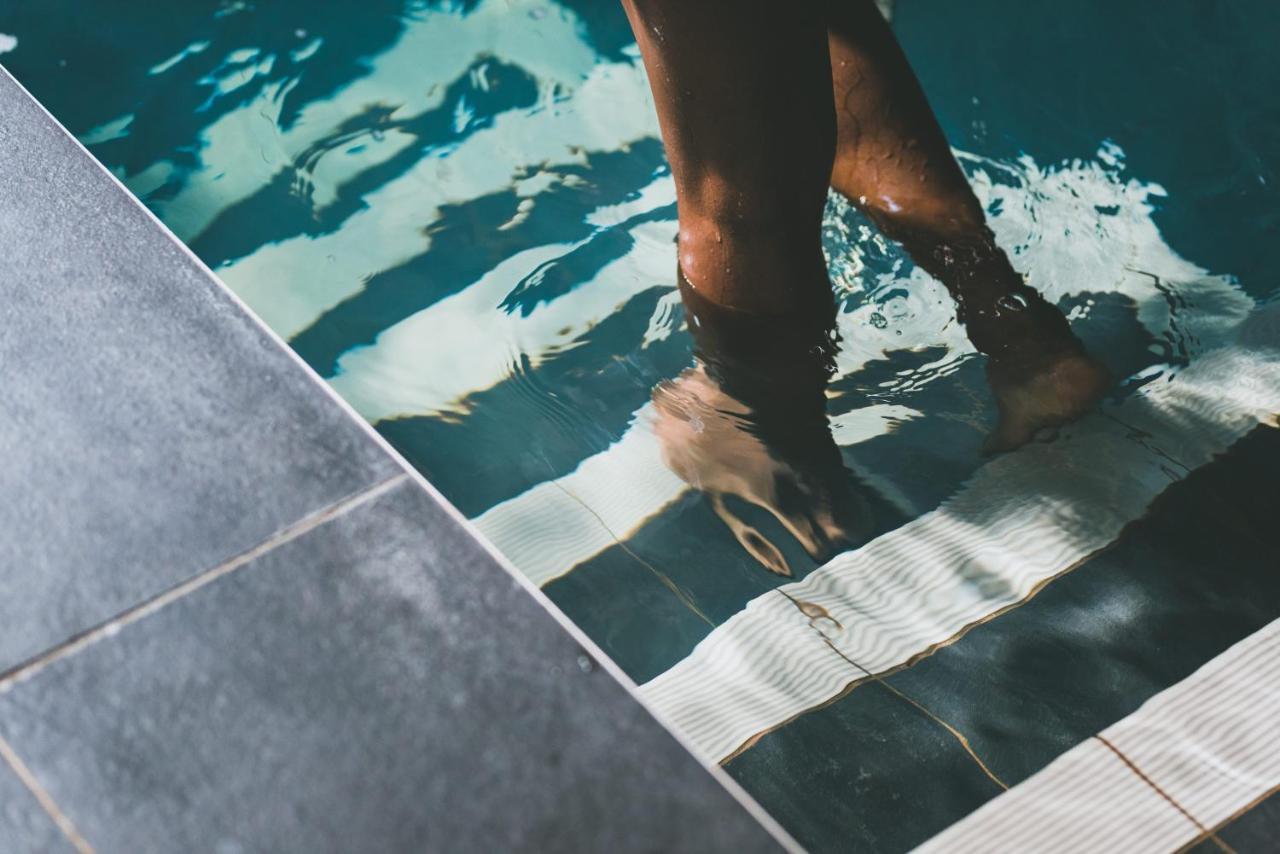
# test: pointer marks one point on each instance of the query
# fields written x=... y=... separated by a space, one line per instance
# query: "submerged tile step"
x=230 y=614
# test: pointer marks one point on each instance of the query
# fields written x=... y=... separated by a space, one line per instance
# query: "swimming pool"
x=460 y=214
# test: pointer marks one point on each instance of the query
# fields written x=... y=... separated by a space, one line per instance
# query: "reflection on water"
x=461 y=216
x=748 y=421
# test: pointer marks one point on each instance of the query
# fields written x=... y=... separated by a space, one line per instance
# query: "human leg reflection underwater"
x=762 y=108
x=488 y=275
x=749 y=421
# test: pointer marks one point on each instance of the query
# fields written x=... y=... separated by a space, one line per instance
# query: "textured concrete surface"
x=230 y=621
x=366 y=687
x=24 y=826
x=149 y=429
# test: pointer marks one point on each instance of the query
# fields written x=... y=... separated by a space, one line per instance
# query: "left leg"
x=894 y=163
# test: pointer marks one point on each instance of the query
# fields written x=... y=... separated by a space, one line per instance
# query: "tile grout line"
x=1205 y=832
x=1206 y=736
x=960 y=737
x=883 y=682
x=926 y=653
x=665 y=579
x=46 y=801
x=127 y=617
x=487 y=546
x=1240 y=813
x=304 y=525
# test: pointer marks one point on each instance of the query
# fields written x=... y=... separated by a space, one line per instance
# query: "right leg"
x=743 y=92
x=894 y=163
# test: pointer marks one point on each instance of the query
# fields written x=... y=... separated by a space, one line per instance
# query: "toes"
x=750 y=538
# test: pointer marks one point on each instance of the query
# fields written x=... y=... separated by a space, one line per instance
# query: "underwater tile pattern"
x=1209 y=742
x=460 y=214
x=870 y=772
x=1087 y=800
x=1015 y=692
x=1205 y=749
x=234 y=622
x=1094 y=644
x=1252 y=830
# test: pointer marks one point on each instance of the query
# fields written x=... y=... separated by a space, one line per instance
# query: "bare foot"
x=1053 y=393
x=748 y=421
x=718 y=444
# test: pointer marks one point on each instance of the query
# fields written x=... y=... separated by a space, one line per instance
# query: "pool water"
x=461 y=216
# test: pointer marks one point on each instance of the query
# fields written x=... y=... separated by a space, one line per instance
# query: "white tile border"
x=1087 y=800
x=748 y=803
x=1022 y=521
x=1191 y=758
x=1212 y=742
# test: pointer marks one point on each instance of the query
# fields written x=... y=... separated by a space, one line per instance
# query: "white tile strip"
x=554 y=527
x=1207 y=748
x=558 y=524
x=627 y=484
x=1087 y=800
x=1212 y=742
x=1021 y=521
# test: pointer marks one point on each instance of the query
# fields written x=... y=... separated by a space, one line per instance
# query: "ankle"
x=771 y=360
x=1017 y=327
x=1004 y=317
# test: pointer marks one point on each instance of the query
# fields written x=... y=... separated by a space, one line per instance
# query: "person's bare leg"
x=894 y=163
x=743 y=92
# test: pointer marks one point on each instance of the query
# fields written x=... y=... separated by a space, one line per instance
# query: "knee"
x=723 y=208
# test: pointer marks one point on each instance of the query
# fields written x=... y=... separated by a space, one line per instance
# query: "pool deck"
x=234 y=620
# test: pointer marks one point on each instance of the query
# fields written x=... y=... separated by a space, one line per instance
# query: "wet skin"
x=748 y=421
x=763 y=107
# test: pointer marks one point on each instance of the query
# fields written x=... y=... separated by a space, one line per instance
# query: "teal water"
x=460 y=215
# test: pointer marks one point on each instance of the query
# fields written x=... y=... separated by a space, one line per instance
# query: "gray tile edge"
x=140 y=610
x=42 y=796
x=714 y=769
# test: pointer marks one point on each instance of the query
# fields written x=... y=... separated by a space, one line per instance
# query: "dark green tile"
x=1257 y=831
x=1178 y=588
x=868 y=773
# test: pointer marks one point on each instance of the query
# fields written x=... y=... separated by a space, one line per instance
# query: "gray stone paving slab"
x=378 y=684
x=24 y=825
x=149 y=428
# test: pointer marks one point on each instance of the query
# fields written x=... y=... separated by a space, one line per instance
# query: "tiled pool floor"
x=947 y=733
x=233 y=621
x=460 y=214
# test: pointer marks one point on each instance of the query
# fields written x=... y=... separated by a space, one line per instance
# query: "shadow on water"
x=466 y=241
x=778 y=473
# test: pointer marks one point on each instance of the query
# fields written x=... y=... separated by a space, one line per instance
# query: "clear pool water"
x=460 y=215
